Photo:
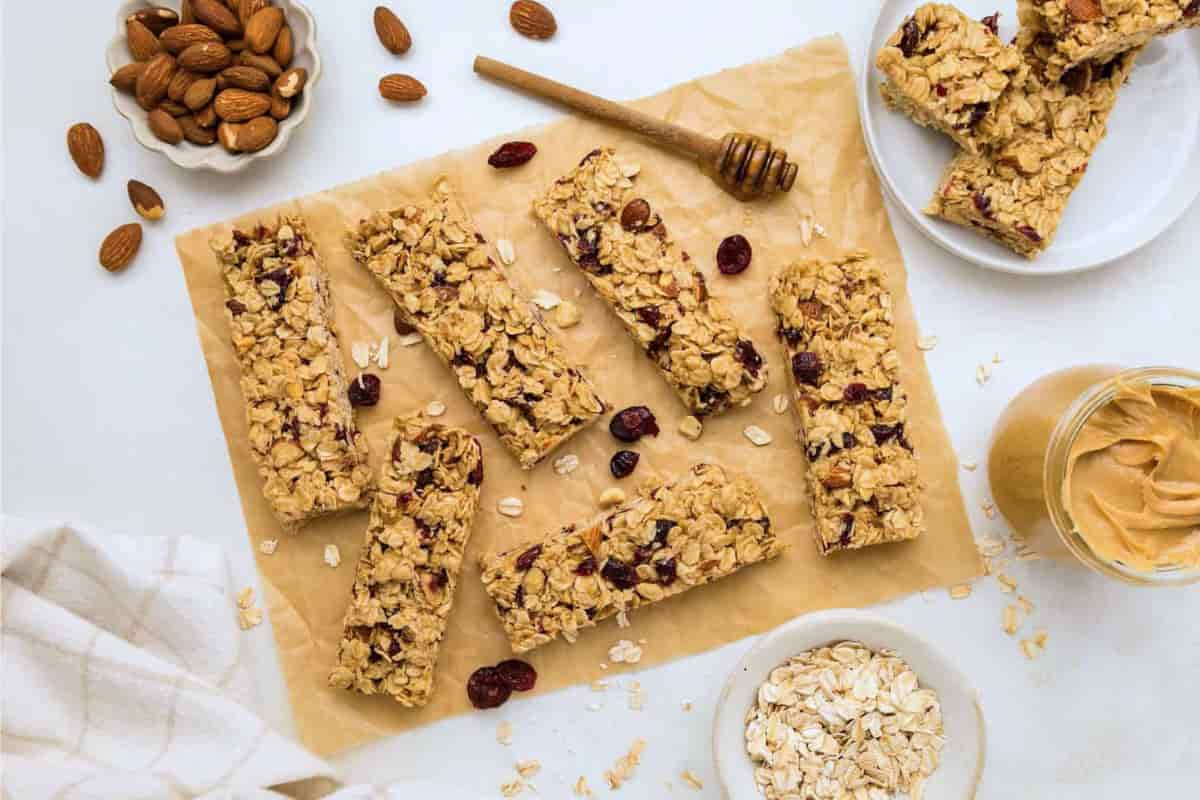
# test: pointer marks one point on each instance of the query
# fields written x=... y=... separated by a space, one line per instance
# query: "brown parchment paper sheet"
x=804 y=100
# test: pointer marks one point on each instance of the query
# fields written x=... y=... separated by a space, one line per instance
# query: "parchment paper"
x=804 y=100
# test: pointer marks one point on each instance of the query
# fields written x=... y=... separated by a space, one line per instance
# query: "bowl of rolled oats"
x=845 y=704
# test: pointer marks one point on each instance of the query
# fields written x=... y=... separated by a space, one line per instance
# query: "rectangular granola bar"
x=675 y=536
x=947 y=71
x=303 y=437
x=406 y=576
x=1046 y=132
x=624 y=249
x=436 y=267
x=1097 y=30
x=835 y=318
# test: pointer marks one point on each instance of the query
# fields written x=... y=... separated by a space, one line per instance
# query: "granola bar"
x=624 y=249
x=674 y=536
x=404 y=585
x=835 y=318
x=1097 y=30
x=947 y=71
x=1046 y=133
x=303 y=438
x=435 y=265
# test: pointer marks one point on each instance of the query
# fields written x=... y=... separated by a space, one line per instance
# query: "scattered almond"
x=392 y=33
x=164 y=126
x=532 y=19
x=401 y=88
x=263 y=27
x=142 y=43
x=146 y=202
x=120 y=246
x=86 y=148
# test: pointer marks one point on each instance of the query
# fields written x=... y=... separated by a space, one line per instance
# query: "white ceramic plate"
x=216 y=157
x=963 y=756
x=1141 y=179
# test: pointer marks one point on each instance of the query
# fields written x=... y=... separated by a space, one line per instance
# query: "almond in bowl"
x=214 y=84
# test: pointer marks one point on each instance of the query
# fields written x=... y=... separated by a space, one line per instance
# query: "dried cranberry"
x=807 y=367
x=623 y=463
x=790 y=335
x=978 y=112
x=856 y=393
x=848 y=441
x=586 y=567
x=619 y=574
x=1192 y=9
x=667 y=570
x=402 y=326
x=883 y=433
x=1029 y=233
x=642 y=553
x=424 y=478
x=365 y=389
x=512 y=154
x=910 y=38
x=438 y=579
x=884 y=394
x=649 y=315
x=462 y=359
x=748 y=356
x=712 y=400
x=282 y=277
x=633 y=423
x=1077 y=79
x=662 y=529
x=517 y=675
x=992 y=23
x=526 y=559
x=941 y=90
x=235 y=307
x=983 y=204
x=659 y=343
x=847 y=529
x=487 y=689
x=733 y=254
x=635 y=214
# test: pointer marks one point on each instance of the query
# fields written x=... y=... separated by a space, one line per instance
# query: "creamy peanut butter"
x=1132 y=485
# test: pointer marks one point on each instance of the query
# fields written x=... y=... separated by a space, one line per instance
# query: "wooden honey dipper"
x=746 y=165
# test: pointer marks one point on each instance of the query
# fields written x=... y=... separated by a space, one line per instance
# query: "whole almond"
x=292 y=82
x=206 y=57
x=156 y=18
x=392 y=33
x=227 y=134
x=143 y=45
x=238 y=105
x=236 y=45
x=1085 y=10
x=181 y=81
x=285 y=47
x=206 y=117
x=248 y=8
x=186 y=17
x=248 y=78
x=145 y=201
x=181 y=37
x=265 y=63
x=120 y=246
x=173 y=108
x=152 y=84
x=401 y=88
x=216 y=16
x=532 y=19
x=164 y=126
x=125 y=78
x=86 y=149
x=262 y=29
x=281 y=107
x=196 y=133
x=256 y=134
x=200 y=94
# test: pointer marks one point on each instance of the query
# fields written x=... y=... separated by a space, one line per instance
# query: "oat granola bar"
x=947 y=71
x=674 y=536
x=1097 y=30
x=835 y=319
x=303 y=438
x=624 y=249
x=436 y=267
x=404 y=585
x=1046 y=132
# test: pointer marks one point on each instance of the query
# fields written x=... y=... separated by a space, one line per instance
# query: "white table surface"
x=108 y=416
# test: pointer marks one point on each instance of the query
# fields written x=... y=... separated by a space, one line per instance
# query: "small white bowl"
x=962 y=759
x=215 y=157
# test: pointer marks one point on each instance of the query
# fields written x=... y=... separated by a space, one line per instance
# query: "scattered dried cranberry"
x=662 y=529
x=807 y=367
x=847 y=529
x=633 y=423
x=487 y=689
x=365 y=389
x=586 y=567
x=978 y=112
x=402 y=326
x=941 y=90
x=512 y=154
x=883 y=433
x=667 y=570
x=424 y=478
x=790 y=335
x=856 y=393
x=235 y=307
x=642 y=553
x=733 y=254
x=649 y=315
x=635 y=214
x=476 y=476
x=1029 y=233
x=992 y=23
x=526 y=559
x=983 y=204
x=619 y=574
x=623 y=463
x=910 y=38
x=748 y=356
x=518 y=675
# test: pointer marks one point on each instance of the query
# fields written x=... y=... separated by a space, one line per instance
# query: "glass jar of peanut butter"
x=1102 y=464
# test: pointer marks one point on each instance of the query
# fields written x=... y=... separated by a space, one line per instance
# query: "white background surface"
x=108 y=416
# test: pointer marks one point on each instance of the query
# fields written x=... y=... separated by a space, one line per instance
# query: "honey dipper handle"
x=703 y=147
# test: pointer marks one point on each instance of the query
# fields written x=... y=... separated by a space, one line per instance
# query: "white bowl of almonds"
x=214 y=84
x=847 y=704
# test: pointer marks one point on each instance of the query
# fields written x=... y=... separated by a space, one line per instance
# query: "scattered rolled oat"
x=637 y=697
x=990 y=546
x=1011 y=621
x=927 y=342
x=996 y=358
x=581 y=787
x=622 y=619
x=546 y=300
x=409 y=339
x=249 y=618
x=960 y=591
x=510 y=506
x=508 y=253
x=1040 y=639
x=691 y=428
x=1007 y=584
x=599 y=686
x=989 y=510
x=361 y=353
x=612 y=497
x=625 y=652
x=435 y=409
x=567 y=314
x=1026 y=604
x=779 y=404
x=267 y=546
x=691 y=780
x=806 y=228
x=512 y=788
x=969 y=466
x=527 y=769
x=504 y=733
x=626 y=764
x=757 y=435
x=565 y=465
x=1029 y=649
x=383 y=352
x=687 y=705
x=245 y=597
x=593 y=707
x=983 y=373
x=333 y=556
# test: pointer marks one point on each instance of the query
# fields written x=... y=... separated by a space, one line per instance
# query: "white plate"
x=1142 y=178
x=963 y=756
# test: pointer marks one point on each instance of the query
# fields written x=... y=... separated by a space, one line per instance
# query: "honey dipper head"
x=749 y=166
